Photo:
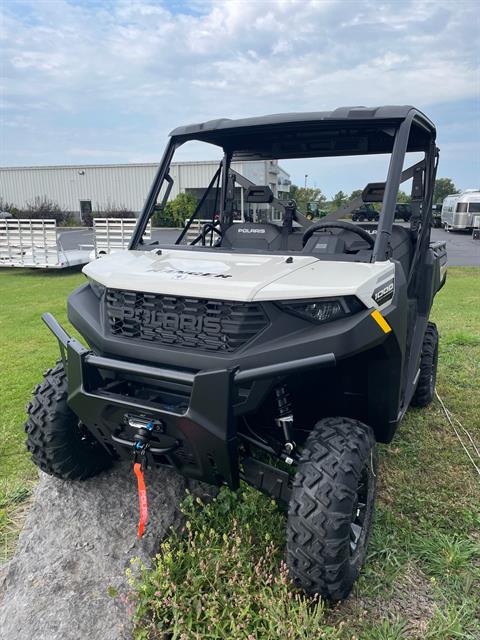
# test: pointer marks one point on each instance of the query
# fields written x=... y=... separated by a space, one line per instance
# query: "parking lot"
x=462 y=250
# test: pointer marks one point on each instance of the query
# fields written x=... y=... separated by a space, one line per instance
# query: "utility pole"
x=306 y=176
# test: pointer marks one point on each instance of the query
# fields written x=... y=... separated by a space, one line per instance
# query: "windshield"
x=259 y=190
x=242 y=198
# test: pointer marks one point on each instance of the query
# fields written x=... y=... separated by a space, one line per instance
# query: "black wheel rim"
x=360 y=509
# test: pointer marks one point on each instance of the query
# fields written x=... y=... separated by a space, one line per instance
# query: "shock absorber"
x=284 y=419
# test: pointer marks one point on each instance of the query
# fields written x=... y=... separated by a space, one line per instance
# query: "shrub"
x=44 y=209
x=8 y=206
x=176 y=211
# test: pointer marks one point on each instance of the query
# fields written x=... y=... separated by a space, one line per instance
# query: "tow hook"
x=142 y=440
x=141 y=443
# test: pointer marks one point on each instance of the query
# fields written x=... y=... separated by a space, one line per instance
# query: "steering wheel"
x=348 y=226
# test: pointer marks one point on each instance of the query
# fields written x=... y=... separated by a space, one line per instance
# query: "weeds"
x=226 y=580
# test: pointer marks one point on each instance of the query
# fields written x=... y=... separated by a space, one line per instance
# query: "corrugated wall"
x=125 y=185
x=104 y=185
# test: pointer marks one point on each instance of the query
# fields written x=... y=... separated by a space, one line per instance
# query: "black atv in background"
x=365 y=213
x=368 y=213
x=403 y=210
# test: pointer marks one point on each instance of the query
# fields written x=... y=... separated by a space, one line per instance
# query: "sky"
x=87 y=82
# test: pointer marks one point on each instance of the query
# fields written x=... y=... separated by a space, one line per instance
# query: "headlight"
x=322 y=310
x=97 y=288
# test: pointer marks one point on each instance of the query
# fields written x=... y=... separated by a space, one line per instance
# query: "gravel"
x=78 y=540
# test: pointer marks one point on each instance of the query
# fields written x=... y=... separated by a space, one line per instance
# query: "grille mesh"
x=212 y=325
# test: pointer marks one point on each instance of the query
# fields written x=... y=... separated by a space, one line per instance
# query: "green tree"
x=355 y=194
x=176 y=211
x=303 y=196
x=403 y=197
x=339 y=200
x=443 y=187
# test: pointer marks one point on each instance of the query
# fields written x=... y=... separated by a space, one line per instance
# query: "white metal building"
x=83 y=188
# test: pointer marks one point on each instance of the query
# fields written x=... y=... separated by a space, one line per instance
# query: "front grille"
x=211 y=325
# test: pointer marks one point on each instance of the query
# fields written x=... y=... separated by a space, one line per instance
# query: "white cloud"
x=121 y=74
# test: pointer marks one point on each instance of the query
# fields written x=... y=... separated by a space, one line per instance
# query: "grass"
x=27 y=349
x=224 y=577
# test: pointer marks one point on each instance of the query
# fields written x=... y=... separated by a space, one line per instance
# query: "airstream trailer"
x=460 y=210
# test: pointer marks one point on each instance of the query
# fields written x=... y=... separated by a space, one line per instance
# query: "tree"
x=355 y=194
x=403 y=197
x=303 y=196
x=176 y=211
x=443 y=187
x=339 y=200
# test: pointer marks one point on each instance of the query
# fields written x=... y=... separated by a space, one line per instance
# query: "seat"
x=249 y=235
x=402 y=246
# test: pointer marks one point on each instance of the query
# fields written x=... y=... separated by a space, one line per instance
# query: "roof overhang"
x=342 y=132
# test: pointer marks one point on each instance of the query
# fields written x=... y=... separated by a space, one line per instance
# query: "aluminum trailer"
x=114 y=234
x=35 y=244
x=460 y=210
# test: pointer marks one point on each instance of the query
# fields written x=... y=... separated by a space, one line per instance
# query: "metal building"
x=84 y=188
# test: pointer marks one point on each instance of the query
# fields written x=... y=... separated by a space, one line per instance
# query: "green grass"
x=27 y=349
x=224 y=577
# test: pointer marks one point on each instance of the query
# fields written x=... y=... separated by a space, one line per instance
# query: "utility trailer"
x=194 y=229
x=36 y=244
x=114 y=234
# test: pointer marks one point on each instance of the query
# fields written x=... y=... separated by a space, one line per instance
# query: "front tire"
x=55 y=438
x=331 y=507
x=428 y=368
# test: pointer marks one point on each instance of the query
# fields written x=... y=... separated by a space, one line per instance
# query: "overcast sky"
x=104 y=82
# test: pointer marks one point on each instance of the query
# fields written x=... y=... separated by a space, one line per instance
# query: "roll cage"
x=342 y=132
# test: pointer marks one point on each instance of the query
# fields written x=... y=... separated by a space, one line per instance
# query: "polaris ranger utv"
x=277 y=352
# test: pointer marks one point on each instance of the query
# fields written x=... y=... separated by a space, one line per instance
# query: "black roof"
x=372 y=114
x=343 y=131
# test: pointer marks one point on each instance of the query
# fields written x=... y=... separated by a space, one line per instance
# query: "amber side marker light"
x=380 y=320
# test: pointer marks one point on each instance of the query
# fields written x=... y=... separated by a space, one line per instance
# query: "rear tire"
x=331 y=507
x=55 y=438
x=428 y=368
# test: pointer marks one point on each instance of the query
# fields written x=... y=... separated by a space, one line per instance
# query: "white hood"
x=233 y=276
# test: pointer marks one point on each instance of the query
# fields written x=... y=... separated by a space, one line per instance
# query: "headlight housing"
x=321 y=310
x=97 y=288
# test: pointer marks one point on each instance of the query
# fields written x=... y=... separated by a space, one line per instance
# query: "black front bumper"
x=198 y=437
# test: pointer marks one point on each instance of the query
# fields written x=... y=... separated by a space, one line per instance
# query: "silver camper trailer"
x=461 y=210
